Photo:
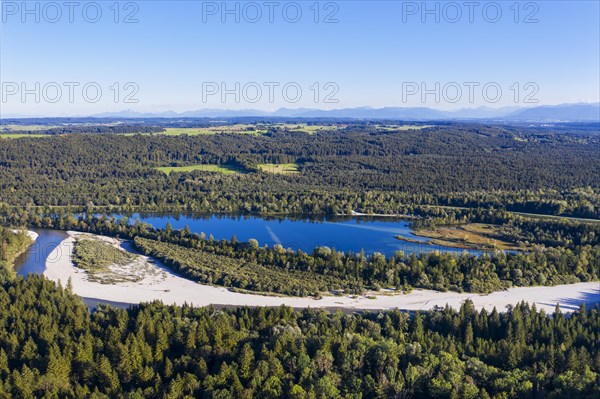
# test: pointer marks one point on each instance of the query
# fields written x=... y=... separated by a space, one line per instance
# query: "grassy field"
x=258 y=129
x=282 y=169
x=251 y=129
x=180 y=131
x=233 y=129
x=310 y=129
x=472 y=236
x=225 y=169
x=247 y=129
x=196 y=131
x=176 y=132
x=6 y=131
x=393 y=128
x=21 y=135
x=96 y=256
x=20 y=128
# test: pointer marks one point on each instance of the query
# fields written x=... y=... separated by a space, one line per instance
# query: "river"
x=51 y=248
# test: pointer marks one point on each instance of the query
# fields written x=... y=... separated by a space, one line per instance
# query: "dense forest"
x=52 y=347
x=354 y=168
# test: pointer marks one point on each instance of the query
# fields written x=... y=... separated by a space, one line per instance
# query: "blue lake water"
x=350 y=234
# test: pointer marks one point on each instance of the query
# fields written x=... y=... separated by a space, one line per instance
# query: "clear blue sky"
x=374 y=54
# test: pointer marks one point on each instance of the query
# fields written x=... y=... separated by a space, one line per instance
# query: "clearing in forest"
x=282 y=169
x=225 y=169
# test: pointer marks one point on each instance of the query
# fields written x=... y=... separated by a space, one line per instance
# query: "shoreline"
x=413 y=240
x=173 y=289
x=32 y=234
x=387 y=215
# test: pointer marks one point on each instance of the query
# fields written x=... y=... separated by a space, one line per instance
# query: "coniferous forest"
x=52 y=347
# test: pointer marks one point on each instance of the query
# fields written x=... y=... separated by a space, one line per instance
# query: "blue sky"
x=180 y=55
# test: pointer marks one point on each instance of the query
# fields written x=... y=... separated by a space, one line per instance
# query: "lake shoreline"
x=412 y=240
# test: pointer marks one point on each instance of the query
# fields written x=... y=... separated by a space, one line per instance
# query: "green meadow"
x=282 y=169
x=392 y=128
x=232 y=129
x=21 y=128
x=225 y=169
x=20 y=135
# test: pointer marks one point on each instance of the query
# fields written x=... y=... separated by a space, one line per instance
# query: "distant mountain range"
x=546 y=113
x=581 y=112
x=564 y=112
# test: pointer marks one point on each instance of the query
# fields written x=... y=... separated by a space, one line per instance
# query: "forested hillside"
x=87 y=129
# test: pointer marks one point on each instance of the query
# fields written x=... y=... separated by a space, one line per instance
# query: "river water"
x=34 y=259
